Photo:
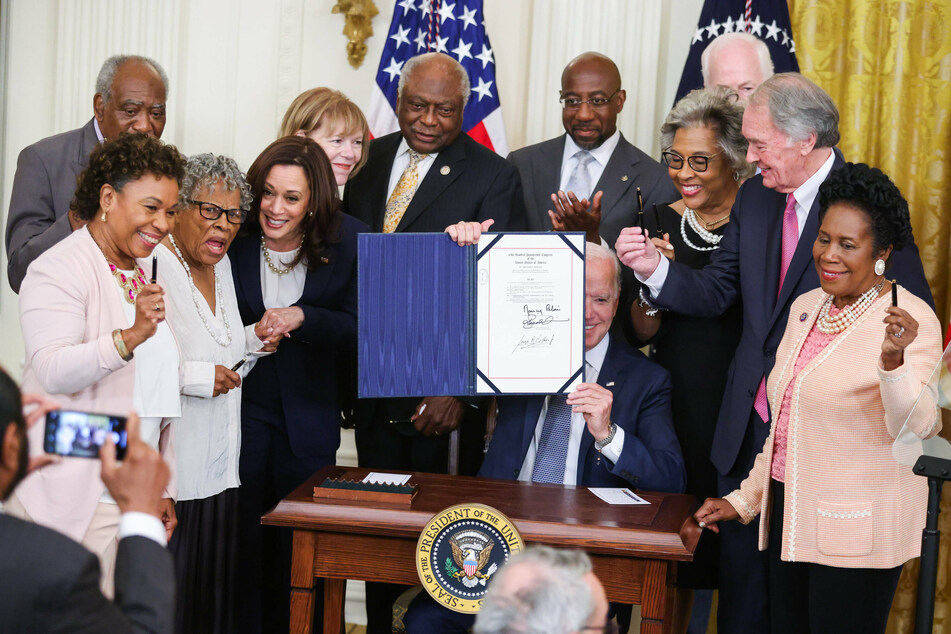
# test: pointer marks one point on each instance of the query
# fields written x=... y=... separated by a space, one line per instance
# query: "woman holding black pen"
x=295 y=269
x=213 y=201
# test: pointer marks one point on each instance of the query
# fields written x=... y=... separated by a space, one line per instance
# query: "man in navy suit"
x=616 y=432
x=425 y=177
x=765 y=261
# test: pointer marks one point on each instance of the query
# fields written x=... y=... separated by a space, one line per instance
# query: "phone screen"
x=80 y=434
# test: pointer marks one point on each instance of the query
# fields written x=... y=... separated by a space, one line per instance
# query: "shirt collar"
x=404 y=149
x=595 y=356
x=806 y=193
x=602 y=153
x=95 y=124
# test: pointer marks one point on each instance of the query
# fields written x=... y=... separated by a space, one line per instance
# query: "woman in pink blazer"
x=841 y=516
x=95 y=333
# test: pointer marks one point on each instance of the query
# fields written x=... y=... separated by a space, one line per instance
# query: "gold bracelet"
x=119 y=343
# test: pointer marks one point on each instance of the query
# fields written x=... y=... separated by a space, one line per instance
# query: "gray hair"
x=718 y=110
x=799 y=108
x=207 y=171
x=454 y=67
x=595 y=251
x=110 y=67
x=762 y=52
x=556 y=600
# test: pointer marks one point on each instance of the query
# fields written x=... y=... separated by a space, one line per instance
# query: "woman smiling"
x=841 y=516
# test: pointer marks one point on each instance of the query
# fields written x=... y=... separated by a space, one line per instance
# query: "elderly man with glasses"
x=587 y=179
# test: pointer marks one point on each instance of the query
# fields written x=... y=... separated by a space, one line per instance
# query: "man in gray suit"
x=48 y=582
x=130 y=97
x=587 y=179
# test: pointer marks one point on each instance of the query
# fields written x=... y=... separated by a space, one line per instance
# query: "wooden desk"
x=633 y=548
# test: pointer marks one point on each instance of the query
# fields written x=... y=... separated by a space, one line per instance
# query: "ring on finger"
x=156 y=307
x=900 y=332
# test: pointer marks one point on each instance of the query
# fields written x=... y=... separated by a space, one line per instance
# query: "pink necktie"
x=790 y=239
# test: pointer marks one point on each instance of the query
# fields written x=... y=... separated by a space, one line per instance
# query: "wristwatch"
x=601 y=444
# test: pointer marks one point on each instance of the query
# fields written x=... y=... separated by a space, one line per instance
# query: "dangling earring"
x=879 y=266
x=736 y=176
x=103 y=216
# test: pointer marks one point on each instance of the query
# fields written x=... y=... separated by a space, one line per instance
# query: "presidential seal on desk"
x=459 y=551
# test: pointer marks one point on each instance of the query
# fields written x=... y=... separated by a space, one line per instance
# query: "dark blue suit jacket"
x=650 y=458
x=300 y=379
x=746 y=268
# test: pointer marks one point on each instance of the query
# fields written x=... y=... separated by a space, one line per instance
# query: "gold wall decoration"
x=358 y=15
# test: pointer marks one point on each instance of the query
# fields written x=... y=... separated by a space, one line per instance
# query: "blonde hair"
x=318 y=106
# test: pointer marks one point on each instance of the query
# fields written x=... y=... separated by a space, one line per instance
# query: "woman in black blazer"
x=295 y=270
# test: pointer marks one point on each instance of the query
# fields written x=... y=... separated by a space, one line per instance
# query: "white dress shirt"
x=208 y=434
x=601 y=154
x=281 y=291
x=594 y=360
x=805 y=195
x=401 y=162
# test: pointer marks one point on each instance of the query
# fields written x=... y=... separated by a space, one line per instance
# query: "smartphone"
x=80 y=434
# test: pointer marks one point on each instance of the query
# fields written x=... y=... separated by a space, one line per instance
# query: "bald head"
x=591 y=97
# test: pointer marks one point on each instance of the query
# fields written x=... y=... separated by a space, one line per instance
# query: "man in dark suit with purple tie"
x=765 y=261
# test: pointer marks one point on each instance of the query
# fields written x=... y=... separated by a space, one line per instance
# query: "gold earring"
x=103 y=216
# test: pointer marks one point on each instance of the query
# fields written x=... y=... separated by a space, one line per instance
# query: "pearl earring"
x=879 y=266
x=103 y=216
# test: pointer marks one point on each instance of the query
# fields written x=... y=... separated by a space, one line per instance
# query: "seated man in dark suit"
x=49 y=583
x=130 y=97
x=614 y=430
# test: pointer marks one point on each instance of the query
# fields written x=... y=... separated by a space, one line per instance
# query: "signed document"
x=530 y=313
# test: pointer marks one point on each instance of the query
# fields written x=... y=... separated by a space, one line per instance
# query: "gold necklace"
x=270 y=263
x=712 y=223
x=130 y=284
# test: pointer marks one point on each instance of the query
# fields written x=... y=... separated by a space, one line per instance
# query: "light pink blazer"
x=69 y=306
x=848 y=503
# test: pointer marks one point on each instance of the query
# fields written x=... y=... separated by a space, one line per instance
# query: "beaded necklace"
x=710 y=238
x=218 y=300
x=270 y=263
x=832 y=325
x=130 y=284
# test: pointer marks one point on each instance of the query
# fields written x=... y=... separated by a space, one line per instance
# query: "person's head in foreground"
x=544 y=591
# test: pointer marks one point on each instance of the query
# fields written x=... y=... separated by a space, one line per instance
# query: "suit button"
x=515 y=473
x=751 y=391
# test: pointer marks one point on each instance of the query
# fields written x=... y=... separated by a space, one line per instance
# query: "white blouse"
x=280 y=291
x=208 y=435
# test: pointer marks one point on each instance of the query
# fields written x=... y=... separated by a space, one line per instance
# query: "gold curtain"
x=887 y=65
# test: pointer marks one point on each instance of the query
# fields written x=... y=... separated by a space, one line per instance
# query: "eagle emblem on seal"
x=471 y=551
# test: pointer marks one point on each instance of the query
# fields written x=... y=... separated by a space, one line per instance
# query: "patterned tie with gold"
x=403 y=194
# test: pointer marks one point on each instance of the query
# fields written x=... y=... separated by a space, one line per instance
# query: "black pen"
x=237 y=365
x=894 y=293
x=154 y=269
x=640 y=210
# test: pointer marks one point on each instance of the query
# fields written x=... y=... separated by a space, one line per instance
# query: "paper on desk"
x=386 y=478
x=617 y=496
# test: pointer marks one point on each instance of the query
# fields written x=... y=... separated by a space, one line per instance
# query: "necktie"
x=790 y=240
x=580 y=181
x=403 y=193
x=553 y=445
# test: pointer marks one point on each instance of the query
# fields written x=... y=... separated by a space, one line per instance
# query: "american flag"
x=456 y=29
x=766 y=19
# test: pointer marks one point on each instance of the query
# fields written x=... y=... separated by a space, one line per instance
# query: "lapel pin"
x=804 y=317
x=324 y=260
x=444 y=170
x=624 y=178
x=610 y=384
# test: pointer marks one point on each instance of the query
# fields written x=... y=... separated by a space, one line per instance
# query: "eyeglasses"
x=697 y=162
x=573 y=103
x=213 y=212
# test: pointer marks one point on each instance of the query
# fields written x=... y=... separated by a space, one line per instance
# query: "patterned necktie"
x=553 y=445
x=403 y=194
x=580 y=181
x=790 y=240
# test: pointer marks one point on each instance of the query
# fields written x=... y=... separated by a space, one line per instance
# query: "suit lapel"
x=386 y=149
x=438 y=178
x=249 y=273
x=87 y=144
x=621 y=164
x=609 y=374
x=531 y=410
x=546 y=176
x=801 y=261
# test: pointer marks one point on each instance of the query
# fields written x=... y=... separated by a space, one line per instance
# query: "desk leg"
x=657 y=600
x=334 y=591
x=302 y=582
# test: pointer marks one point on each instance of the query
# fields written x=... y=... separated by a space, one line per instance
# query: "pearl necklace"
x=832 y=325
x=710 y=238
x=270 y=263
x=219 y=304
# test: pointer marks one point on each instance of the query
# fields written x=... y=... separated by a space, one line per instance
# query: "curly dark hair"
x=323 y=216
x=121 y=161
x=870 y=190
